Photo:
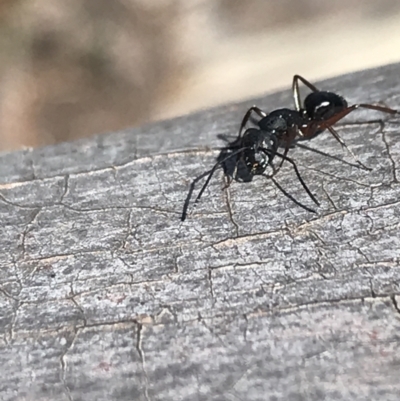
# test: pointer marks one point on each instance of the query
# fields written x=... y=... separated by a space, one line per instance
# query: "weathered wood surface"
x=106 y=295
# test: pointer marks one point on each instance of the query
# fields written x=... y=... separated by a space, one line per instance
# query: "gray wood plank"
x=106 y=295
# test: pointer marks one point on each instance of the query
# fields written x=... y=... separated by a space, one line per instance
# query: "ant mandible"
x=257 y=148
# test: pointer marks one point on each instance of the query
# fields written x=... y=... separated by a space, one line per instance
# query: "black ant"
x=256 y=149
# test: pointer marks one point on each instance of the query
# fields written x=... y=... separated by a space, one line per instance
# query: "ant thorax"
x=278 y=122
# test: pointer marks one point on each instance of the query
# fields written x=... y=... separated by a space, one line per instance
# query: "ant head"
x=255 y=156
x=256 y=162
x=323 y=105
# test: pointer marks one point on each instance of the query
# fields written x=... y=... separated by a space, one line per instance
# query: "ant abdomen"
x=323 y=105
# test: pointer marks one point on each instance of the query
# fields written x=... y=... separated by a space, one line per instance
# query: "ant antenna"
x=210 y=173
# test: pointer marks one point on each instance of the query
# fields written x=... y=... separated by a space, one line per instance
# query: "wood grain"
x=106 y=295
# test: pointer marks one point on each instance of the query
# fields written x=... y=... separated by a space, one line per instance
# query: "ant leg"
x=230 y=179
x=291 y=197
x=212 y=171
x=383 y=109
x=337 y=117
x=291 y=161
x=352 y=123
x=271 y=176
x=246 y=118
x=334 y=119
x=291 y=136
x=282 y=159
x=300 y=145
x=210 y=174
x=343 y=143
x=296 y=90
x=189 y=195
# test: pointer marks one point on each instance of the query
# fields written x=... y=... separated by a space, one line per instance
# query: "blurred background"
x=78 y=67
